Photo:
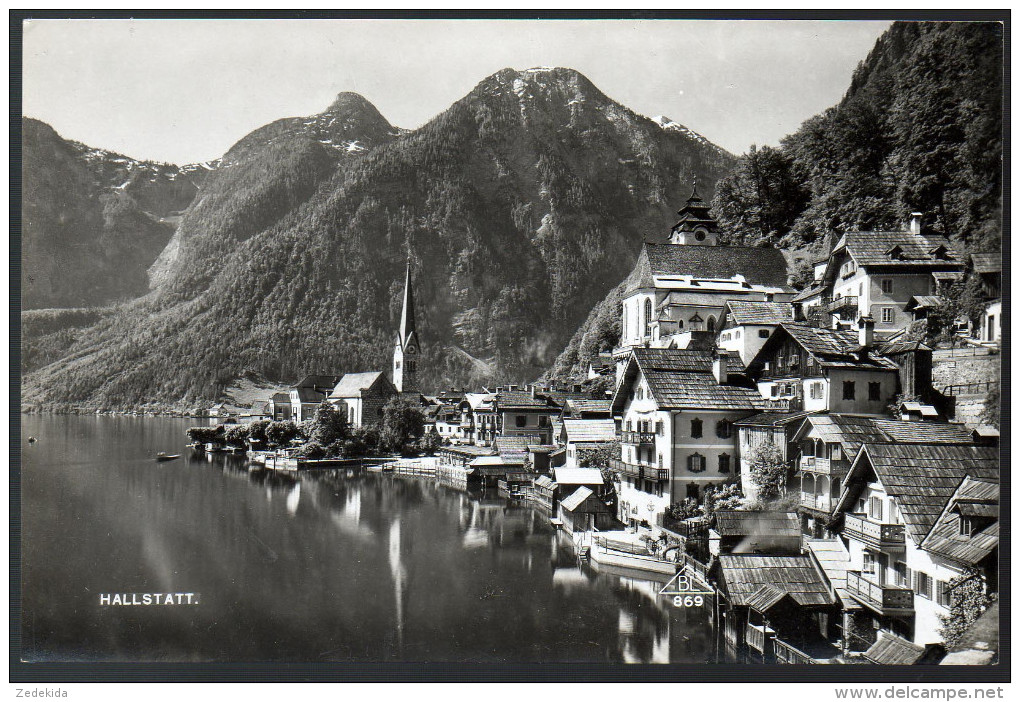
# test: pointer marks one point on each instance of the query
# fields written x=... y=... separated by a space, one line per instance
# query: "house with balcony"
x=826 y=445
x=677 y=409
x=582 y=437
x=525 y=413
x=775 y=428
x=478 y=418
x=825 y=370
x=893 y=497
x=746 y=325
x=682 y=286
x=876 y=274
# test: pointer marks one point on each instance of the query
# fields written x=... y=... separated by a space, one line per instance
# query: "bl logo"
x=686 y=590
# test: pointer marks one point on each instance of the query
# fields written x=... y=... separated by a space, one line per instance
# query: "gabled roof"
x=771 y=419
x=589 y=430
x=578 y=476
x=923 y=302
x=892 y=650
x=834 y=560
x=898 y=347
x=520 y=399
x=308 y=395
x=318 y=381
x=830 y=348
x=808 y=292
x=986 y=262
x=353 y=384
x=758 y=266
x=922 y=477
x=479 y=400
x=742 y=577
x=767 y=597
x=544 y=481
x=584 y=406
x=747 y=312
x=259 y=407
x=280 y=397
x=576 y=499
x=747 y=523
x=853 y=431
x=915 y=250
x=973 y=498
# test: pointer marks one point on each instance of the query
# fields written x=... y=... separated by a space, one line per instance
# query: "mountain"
x=93 y=221
x=519 y=207
x=919 y=129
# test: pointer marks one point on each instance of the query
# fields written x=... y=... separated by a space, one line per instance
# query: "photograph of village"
x=534 y=379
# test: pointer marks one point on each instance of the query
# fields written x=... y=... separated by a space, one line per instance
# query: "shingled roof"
x=831 y=348
x=973 y=498
x=353 y=384
x=683 y=379
x=521 y=399
x=922 y=478
x=893 y=650
x=987 y=262
x=915 y=250
x=589 y=430
x=758 y=265
x=748 y=312
x=747 y=523
x=742 y=577
x=808 y=292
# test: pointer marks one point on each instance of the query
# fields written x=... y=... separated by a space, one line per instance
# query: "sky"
x=184 y=91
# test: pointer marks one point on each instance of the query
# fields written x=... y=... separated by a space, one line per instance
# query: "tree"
x=206 y=435
x=768 y=470
x=236 y=434
x=257 y=430
x=726 y=496
x=402 y=426
x=969 y=599
x=281 y=433
x=328 y=425
x=599 y=458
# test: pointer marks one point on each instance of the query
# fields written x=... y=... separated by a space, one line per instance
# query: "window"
x=628 y=425
x=711 y=324
x=520 y=420
x=875 y=508
x=835 y=452
x=886 y=285
x=696 y=428
x=723 y=429
x=763 y=333
x=397 y=365
x=724 y=463
x=902 y=573
x=660 y=460
x=624 y=326
x=696 y=463
x=543 y=420
x=775 y=390
x=648 y=316
x=816 y=391
x=869 y=562
x=660 y=428
x=693 y=491
x=966 y=526
x=888 y=315
x=922 y=584
x=874 y=392
x=410 y=366
x=943 y=595
x=848 y=390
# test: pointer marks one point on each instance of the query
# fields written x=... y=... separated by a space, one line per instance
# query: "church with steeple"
x=407 y=349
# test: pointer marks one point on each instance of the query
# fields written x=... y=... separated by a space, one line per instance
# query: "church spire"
x=407 y=315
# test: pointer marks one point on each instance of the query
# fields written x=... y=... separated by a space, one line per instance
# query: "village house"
x=876 y=274
x=362 y=396
x=585 y=436
x=893 y=498
x=988 y=268
x=767 y=429
x=279 y=406
x=306 y=396
x=801 y=367
x=677 y=410
x=525 y=413
x=744 y=531
x=683 y=286
x=478 y=417
x=827 y=444
x=585 y=408
x=747 y=325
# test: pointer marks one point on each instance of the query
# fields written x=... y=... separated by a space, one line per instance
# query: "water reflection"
x=336 y=565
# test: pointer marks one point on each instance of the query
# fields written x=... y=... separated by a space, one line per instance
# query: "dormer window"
x=940 y=252
x=966 y=526
x=895 y=253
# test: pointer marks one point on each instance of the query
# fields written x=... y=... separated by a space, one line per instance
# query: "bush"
x=684 y=510
x=206 y=435
x=281 y=433
x=328 y=425
x=313 y=450
x=403 y=425
x=236 y=434
x=257 y=430
x=768 y=471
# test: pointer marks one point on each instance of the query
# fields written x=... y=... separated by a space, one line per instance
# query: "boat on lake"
x=161 y=456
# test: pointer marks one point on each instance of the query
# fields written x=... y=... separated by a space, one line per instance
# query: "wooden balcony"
x=822 y=503
x=788 y=654
x=883 y=599
x=883 y=536
x=844 y=304
x=760 y=638
x=815 y=464
x=638 y=438
x=784 y=404
x=642 y=472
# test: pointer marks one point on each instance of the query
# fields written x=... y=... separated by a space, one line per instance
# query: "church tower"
x=406 y=350
x=696 y=224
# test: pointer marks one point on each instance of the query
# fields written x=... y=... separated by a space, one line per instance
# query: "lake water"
x=325 y=566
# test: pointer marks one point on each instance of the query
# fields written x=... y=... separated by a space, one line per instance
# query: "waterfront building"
x=747 y=325
x=876 y=274
x=306 y=396
x=584 y=436
x=899 y=506
x=362 y=396
x=407 y=348
x=801 y=367
x=582 y=511
x=677 y=410
x=478 y=417
x=683 y=286
x=744 y=531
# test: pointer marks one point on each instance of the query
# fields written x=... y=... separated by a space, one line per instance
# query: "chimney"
x=866 y=331
x=915 y=222
x=533 y=388
x=720 y=368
